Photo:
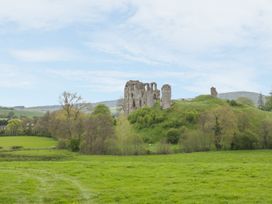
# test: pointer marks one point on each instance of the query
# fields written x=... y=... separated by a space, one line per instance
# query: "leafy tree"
x=217 y=134
x=14 y=127
x=266 y=133
x=11 y=115
x=128 y=141
x=245 y=140
x=172 y=136
x=99 y=132
x=268 y=103
x=261 y=102
x=72 y=126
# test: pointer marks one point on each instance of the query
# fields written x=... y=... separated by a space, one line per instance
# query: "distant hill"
x=253 y=96
x=112 y=104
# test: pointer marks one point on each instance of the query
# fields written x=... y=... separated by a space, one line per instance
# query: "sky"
x=93 y=47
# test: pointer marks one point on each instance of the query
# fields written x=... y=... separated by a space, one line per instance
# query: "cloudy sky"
x=93 y=47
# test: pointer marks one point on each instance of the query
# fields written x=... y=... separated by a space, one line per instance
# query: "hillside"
x=193 y=123
x=253 y=96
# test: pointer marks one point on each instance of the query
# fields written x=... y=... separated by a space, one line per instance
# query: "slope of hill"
x=195 y=121
x=253 y=96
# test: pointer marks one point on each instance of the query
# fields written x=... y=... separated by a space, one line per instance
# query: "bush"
x=62 y=144
x=146 y=117
x=192 y=117
x=244 y=140
x=74 y=145
x=164 y=147
x=173 y=136
x=195 y=141
x=233 y=103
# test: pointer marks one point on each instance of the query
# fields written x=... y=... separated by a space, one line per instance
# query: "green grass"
x=26 y=142
x=59 y=176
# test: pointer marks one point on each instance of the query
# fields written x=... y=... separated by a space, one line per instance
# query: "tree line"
x=220 y=125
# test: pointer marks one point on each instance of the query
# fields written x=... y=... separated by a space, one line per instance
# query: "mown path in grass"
x=211 y=177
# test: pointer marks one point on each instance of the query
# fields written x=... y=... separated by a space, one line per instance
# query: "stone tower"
x=214 y=92
x=166 y=96
x=138 y=95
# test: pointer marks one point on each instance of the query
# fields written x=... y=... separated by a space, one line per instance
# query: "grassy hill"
x=196 y=119
x=253 y=96
x=58 y=176
x=4 y=112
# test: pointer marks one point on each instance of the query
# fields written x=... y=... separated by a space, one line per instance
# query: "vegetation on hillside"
x=202 y=124
x=206 y=123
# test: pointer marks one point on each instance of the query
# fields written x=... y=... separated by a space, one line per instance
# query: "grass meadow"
x=42 y=174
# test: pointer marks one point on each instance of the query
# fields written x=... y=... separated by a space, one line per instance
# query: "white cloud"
x=204 y=39
x=165 y=31
x=48 y=14
x=43 y=55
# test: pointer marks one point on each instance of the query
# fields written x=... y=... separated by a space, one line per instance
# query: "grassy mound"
x=241 y=126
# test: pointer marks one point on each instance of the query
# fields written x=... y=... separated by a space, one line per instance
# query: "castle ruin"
x=138 y=95
x=214 y=92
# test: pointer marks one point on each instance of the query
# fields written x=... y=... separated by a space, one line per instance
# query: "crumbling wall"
x=138 y=95
x=166 y=96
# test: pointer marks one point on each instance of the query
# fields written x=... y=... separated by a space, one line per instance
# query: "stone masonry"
x=138 y=95
x=214 y=92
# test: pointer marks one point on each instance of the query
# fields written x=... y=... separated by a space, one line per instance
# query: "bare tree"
x=72 y=104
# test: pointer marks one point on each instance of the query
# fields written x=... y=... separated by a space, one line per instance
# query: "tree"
x=261 y=102
x=14 y=127
x=266 y=133
x=72 y=104
x=217 y=134
x=99 y=132
x=244 y=140
x=128 y=142
x=268 y=103
x=120 y=106
x=11 y=115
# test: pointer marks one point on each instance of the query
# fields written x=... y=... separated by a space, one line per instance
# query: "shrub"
x=74 y=145
x=62 y=144
x=163 y=147
x=146 y=117
x=195 y=141
x=192 y=117
x=173 y=136
x=244 y=140
x=233 y=103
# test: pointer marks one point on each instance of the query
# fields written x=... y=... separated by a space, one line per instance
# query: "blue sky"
x=94 y=47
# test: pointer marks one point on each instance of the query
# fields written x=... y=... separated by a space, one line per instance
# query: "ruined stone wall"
x=166 y=96
x=138 y=95
x=214 y=92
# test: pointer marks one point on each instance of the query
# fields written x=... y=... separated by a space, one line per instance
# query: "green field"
x=58 y=176
x=27 y=142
